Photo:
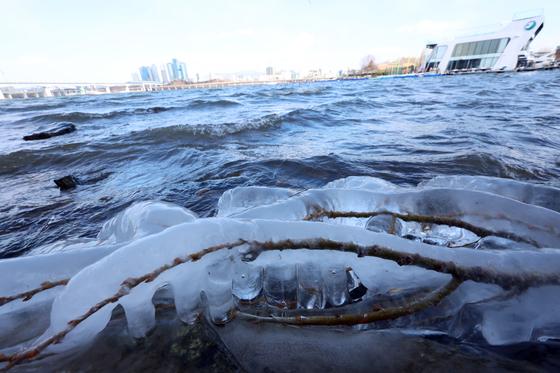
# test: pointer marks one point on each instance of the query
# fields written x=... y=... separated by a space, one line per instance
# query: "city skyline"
x=162 y=73
x=105 y=41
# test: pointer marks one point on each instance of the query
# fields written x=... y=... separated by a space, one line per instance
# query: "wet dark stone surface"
x=66 y=182
x=172 y=346
x=61 y=129
x=246 y=346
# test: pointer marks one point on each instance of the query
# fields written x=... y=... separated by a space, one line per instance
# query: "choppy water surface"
x=188 y=147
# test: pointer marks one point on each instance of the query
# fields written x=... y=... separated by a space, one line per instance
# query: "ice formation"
x=481 y=254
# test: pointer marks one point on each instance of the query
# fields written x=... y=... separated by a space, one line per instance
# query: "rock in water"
x=61 y=129
x=66 y=182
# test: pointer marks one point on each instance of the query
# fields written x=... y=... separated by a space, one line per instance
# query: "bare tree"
x=368 y=63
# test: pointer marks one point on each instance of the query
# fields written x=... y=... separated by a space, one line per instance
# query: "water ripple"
x=172 y=145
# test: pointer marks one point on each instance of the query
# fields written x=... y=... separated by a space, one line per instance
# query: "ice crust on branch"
x=492 y=212
x=62 y=260
x=142 y=219
x=260 y=248
x=533 y=194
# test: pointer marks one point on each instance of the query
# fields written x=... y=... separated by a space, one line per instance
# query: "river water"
x=189 y=146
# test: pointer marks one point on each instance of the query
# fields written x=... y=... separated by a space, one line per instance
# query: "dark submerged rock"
x=66 y=182
x=171 y=346
x=156 y=109
x=61 y=129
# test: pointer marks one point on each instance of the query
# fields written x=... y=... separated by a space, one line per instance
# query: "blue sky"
x=105 y=41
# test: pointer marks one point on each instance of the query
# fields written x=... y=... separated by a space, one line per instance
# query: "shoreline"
x=49 y=90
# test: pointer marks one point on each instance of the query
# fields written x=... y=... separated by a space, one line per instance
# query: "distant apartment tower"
x=154 y=74
x=177 y=70
x=163 y=73
x=269 y=70
x=174 y=70
x=557 y=56
x=183 y=71
x=145 y=74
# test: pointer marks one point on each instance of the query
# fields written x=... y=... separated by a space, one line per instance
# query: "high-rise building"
x=177 y=70
x=154 y=74
x=269 y=70
x=183 y=71
x=174 y=70
x=164 y=74
x=145 y=73
x=170 y=74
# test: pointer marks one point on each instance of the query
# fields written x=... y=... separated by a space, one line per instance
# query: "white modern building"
x=502 y=50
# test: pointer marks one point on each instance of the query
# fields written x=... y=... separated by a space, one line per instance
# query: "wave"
x=414 y=168
x=69 y=153
x=218 y=130
x=178 y=132
x=486 y=93
x=78 y=116
x=315 y=170
x=478 y=163
x=203 y=104
x=483 y=104
x=46 y=158
x=32 y=107
x=290 y=91
x=355 y=103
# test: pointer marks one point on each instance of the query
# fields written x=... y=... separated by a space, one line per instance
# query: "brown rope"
x=459 y=274
x=477 y=274
x=443 y=220
x=433 y=299
x=25 y=296
x=125 y=288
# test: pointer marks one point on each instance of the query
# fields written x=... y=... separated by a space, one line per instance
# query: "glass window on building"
x=485 y=47
x=478 y=48
x=472 y=63
x=503 y=43
x=441 y=52
x=494 y=46
x=457 y=50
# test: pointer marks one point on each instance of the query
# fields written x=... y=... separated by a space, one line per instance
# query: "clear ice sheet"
x=150 y=234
